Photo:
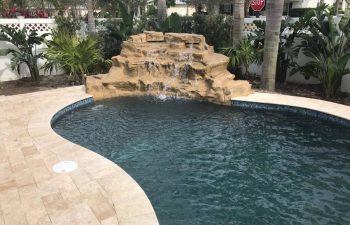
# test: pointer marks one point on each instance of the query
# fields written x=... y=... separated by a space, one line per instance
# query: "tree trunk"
x=162 y=10
x=33 y=69
x=91 y=19
x=246 y=7
x=238 y=22
x=272 y=38
x=336 y=7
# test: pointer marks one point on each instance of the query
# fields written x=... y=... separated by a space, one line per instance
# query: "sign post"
x=257 y=5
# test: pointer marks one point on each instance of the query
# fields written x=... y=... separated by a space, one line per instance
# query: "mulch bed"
x=311 y=91
x=25 y=85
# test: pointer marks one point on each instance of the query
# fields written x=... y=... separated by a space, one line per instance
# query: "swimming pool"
x=201 y=163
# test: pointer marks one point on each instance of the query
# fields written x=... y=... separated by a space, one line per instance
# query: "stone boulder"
x=168 y=64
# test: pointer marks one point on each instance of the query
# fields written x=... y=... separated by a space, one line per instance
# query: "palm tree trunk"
x=238 y=22
x=162 y=10
x=246 y=7
x=336 y=7
x=272 y=39
x=91 y=19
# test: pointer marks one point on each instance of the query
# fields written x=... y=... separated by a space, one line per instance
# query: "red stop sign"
x=257 y=5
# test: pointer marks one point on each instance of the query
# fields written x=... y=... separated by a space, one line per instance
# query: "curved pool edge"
x=105 y=190
x=325 y=110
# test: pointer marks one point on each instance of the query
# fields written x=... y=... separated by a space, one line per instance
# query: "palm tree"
x=91 y=19
x=273 y=26
x=162 y=10
x=238 y=22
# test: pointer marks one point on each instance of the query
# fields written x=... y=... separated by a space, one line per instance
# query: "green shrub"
x=244 y=55
x=116 y=31
x=217 y=29
x=75 y=56
x=173 y=24
x=111 y=38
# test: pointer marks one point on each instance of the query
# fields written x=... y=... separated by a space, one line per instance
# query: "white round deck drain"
x=65 y=167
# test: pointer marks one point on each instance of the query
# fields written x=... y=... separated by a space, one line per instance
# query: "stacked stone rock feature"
x=168 y=64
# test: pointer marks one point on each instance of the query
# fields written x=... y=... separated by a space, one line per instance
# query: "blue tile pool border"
x=70 y=108
x=235 y=103
x=293 y=109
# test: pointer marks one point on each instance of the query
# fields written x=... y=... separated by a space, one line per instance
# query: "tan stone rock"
x=137 y=38
x=172 y=64
x=185 y=38
x=152 y=36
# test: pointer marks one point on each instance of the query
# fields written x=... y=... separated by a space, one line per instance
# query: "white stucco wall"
x=314 y=3
x=182 y=10
x=345 y=84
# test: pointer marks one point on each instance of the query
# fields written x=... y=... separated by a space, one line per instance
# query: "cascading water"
x=149 y=62
x=187 y=57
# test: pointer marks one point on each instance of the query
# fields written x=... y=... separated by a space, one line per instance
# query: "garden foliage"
x=328 y=47
x=25 y=49
x=242 y=56
x=76 y=56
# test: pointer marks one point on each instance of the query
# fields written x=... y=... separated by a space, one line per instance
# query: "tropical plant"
x=272 y=39
x=243 y=55
x=76 y=56
x=24 y=42
x=328 y=47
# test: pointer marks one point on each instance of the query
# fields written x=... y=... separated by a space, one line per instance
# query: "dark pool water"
x=204 y=164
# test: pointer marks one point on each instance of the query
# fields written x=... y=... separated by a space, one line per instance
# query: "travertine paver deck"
x=335 y=109
x=98 y=192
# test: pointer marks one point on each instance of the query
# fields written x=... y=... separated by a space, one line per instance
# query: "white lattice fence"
x=40 y=25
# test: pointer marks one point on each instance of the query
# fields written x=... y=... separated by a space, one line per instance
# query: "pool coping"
x=316 y=108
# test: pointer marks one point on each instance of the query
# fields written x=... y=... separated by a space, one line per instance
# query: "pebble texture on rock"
x=168 y=64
